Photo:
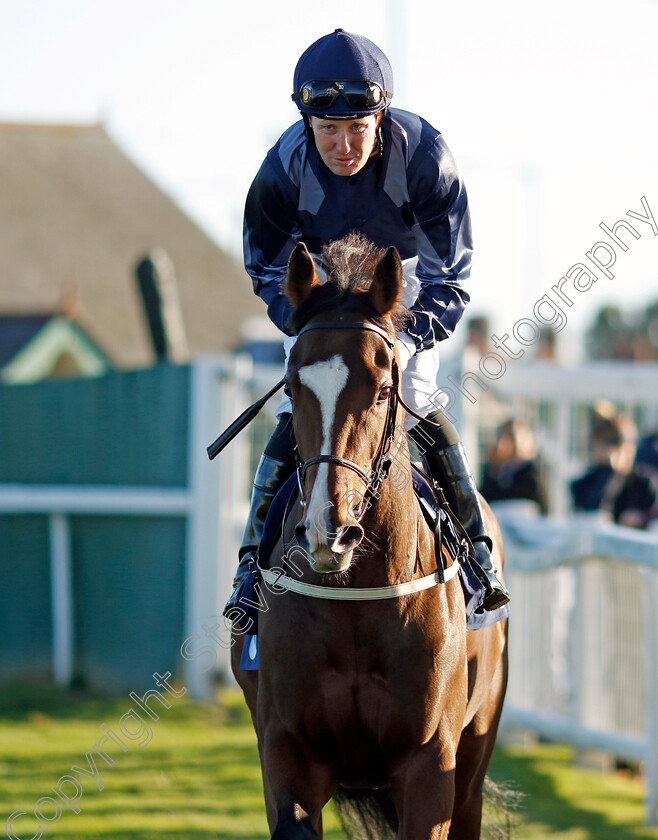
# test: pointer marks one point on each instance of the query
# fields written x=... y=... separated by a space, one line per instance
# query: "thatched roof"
x=76 y=215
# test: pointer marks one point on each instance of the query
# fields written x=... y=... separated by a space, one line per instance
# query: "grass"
x=198 y=776
x=566 y=801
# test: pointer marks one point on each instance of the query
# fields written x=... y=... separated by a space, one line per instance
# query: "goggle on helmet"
x=341 y=76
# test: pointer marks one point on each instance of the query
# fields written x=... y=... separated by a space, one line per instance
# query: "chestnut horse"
x=370 y=689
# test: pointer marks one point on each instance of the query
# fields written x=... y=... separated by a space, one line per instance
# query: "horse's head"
x=342 y=377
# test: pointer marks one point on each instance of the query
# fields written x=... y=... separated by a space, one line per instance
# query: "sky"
x=549 y=110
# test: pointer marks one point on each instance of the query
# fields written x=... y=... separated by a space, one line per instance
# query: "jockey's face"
x=345 y=145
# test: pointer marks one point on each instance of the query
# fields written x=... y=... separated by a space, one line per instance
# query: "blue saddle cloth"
x=249 y=600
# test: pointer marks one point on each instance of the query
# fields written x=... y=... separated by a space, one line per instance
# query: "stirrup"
x=242 y=573
x=449 y=467
x=496 y=593
x=269 y=478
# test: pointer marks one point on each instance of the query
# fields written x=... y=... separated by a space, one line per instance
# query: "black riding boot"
x=275 y=466
x=446 y=459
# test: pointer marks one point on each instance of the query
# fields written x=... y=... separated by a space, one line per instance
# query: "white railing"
x=58 y=503
x=584 y=637
x=211 y=502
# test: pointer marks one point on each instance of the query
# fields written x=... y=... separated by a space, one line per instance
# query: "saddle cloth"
x=476 y=616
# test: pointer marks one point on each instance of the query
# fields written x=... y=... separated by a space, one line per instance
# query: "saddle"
x=450 y=539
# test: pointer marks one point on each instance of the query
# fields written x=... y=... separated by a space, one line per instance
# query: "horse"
x=370 y=689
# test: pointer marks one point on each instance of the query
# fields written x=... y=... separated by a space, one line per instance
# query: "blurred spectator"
x=613 y=485
x=477 y=334
x=624 y=334
x=647 y=451
x=512 y=471
x=547 y=345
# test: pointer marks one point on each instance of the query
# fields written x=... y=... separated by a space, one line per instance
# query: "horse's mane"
x=349 y=264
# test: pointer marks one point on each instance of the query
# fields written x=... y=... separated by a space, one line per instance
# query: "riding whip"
x=240 y=422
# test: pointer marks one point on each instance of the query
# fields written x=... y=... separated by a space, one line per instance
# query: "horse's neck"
x=395 y=524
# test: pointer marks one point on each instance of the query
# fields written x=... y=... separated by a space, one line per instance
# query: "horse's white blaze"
x=326 y=380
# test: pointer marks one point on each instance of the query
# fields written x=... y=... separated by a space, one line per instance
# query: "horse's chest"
x=358 y=722
x=362 y=689
x=370 y=697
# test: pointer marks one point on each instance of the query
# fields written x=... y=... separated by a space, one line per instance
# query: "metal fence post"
x=61 y=594
x=233 y=471
x=651 y=625
x=202 y=597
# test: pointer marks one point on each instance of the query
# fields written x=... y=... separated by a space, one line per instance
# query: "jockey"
x=354 y=163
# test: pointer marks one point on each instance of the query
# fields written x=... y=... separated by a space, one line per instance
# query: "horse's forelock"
x=349 y=264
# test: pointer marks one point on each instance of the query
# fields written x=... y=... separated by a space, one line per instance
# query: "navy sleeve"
x=442 y=230
x=271 y=231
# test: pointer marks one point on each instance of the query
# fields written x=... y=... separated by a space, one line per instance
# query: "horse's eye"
x=384 y=394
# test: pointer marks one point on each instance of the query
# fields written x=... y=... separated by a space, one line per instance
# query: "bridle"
x=383 y=459
x=372 y=479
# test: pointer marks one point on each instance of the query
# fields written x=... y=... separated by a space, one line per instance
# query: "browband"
x=349 y=325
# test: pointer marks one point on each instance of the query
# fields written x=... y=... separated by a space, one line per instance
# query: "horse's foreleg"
x=247 y=680
x=290 y=826
x=296 y=788
x=473 y=756
x=423 y=789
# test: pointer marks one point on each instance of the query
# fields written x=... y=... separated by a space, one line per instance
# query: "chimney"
x=158 y=288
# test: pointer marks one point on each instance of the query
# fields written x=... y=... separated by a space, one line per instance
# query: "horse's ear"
x=386 y=286
x=301 y=277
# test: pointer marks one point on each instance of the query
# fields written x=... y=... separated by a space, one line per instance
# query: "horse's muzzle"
x=329 y=552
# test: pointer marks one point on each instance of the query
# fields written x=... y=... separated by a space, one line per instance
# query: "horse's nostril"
x=348 y=537
x=300 y=531
x=301 y=535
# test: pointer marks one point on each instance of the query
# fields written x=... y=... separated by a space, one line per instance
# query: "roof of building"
x=44 y=345
x=16 y=331
x=77 y=214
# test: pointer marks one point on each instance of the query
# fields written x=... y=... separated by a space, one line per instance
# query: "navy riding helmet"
x=343 y=75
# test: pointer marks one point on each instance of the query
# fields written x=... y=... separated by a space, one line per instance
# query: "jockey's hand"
x=406 y=348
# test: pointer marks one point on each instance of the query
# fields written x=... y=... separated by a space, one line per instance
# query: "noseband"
x=382 y=462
